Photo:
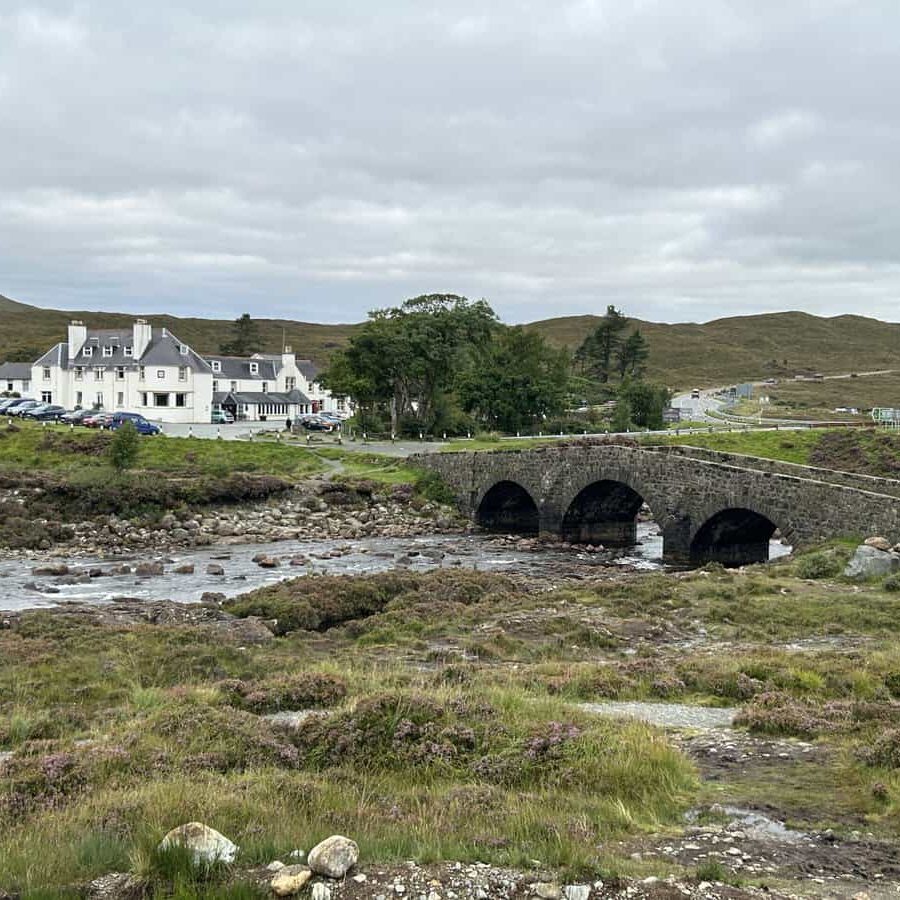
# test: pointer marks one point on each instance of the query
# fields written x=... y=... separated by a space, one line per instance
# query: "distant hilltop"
x=725 y=350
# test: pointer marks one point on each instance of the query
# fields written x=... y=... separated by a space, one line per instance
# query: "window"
x=120 y=373
x=98 y=373
x=46 y=397
x=46 y=373
x=142 y=372
x=183 y=349
x=143 y=398
x=88 y=351
x=216 y=365
x=290 y=384
x=233 y=386
x=98 y=403
x=78 y=398
x=120 y=399
x=265 y=387
x=181 y=400
x=160 y=374
x=79 y=373
x=128 y=351
x=254 y=368
x=215 y=386
x=182 y=373
x=160 y=399
x=107 y=351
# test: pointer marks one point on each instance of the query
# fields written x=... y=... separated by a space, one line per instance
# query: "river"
x=20 y=589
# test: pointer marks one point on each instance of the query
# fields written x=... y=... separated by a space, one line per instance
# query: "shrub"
x=305 y=690
x=883 y=751
x=817 y=565
x=124 y=447
x=891 y=583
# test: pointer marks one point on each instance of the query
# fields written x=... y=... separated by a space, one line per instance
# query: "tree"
x=124 y=447
x=245 y=338
x=647 y=402
x=621 y=420
x=633 y=355
x=518 y=379
x=598 y=351
x=407 y=358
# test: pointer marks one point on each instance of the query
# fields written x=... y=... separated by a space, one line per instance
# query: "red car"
x=97 y=420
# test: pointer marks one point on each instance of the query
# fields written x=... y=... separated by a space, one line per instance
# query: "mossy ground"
x=449 y=724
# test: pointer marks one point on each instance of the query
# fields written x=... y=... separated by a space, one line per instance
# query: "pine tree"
x=633 y=355
x=245 y=339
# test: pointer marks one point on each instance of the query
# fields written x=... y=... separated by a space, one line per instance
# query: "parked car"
x=140 y=423
x=47 y=412
x=222 y=417
x=96 y=420
x=316 y=423
x=10 y=402
x=22 y=407
x=76 y=417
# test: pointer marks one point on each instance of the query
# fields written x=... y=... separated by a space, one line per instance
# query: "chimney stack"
x=143 y=334
x=77 y=338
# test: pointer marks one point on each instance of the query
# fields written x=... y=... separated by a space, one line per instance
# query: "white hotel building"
x=148 y=370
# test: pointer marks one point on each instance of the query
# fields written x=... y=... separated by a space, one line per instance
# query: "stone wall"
x=684 y=490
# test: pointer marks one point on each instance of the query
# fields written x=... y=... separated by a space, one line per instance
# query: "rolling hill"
x=681 y=355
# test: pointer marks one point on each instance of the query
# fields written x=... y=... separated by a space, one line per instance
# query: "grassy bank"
x=447 y=722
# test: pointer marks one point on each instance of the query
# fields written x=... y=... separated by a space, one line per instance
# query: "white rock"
x=577 y=891
x=547 y=891
x=879 y=543
x=321 y=892
x=334 y=856
x=206 y=844
x=275 y=866
x=290 y=880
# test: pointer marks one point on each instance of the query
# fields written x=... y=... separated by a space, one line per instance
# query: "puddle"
x=666 y=715
x=761 y=828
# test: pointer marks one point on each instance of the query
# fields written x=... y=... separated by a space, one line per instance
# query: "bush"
x=891 y=583
x=288 y=692
x=124 y=447
x=884 y=750
x=817 y=565
x=432 y=487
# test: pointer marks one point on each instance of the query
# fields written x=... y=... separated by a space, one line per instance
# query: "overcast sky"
x=683 y=160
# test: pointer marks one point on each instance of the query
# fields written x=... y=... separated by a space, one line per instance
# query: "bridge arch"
x=605 y=512
x=734 y=536
x=508 y=507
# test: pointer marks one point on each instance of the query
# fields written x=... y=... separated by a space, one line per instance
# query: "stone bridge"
x=709 y=506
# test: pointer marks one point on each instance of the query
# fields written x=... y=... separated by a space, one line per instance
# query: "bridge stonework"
x=709 y=506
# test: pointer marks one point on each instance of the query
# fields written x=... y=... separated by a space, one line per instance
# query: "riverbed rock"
x=334 y=856
x=214 y=569
x=269 y=562
x=186 y=569
x=879 y=543
x=57 y=570
x=870 y=562
x=290 y=880
x=149 y=569
x=205 y=844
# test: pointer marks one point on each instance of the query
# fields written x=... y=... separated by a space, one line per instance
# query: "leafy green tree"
x=407 y=358
x=518 y=380
x=124 y=447
x=646 y=401
x=597 y=353
x=633 y=353
x=245 y=338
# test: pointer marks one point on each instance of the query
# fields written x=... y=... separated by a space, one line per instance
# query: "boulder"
x=148 y=569
x=320 y=892
x=879 y=543
x=214 y=569
x=870 y=562
x=186 y=569
x=269 y=562
x=290 y=880
x=206 y=844
x=299 y=561
x=547 y=891
x=334 y=856
x=60 y=569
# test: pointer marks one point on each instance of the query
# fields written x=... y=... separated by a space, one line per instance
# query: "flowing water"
x=20 y=589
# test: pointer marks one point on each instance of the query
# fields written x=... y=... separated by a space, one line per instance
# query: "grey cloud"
x=685 y=161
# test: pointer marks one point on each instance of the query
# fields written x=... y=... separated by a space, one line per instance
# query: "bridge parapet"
x=708 y=505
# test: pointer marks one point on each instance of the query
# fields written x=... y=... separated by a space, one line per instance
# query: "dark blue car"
x=136 y=419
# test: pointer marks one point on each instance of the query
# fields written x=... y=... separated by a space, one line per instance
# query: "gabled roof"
x=97 y=338
x=257 y=398
x=164 y=349
x=238 y=367
x=309 y=369
x=58 y=355
x=15 y=371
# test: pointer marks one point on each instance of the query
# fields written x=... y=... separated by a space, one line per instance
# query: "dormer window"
x=107 y=351
x=265 y=388
x=183 y=349
x=88 y=351
x=128 y=351
x=254 y=368
x=216 y=365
